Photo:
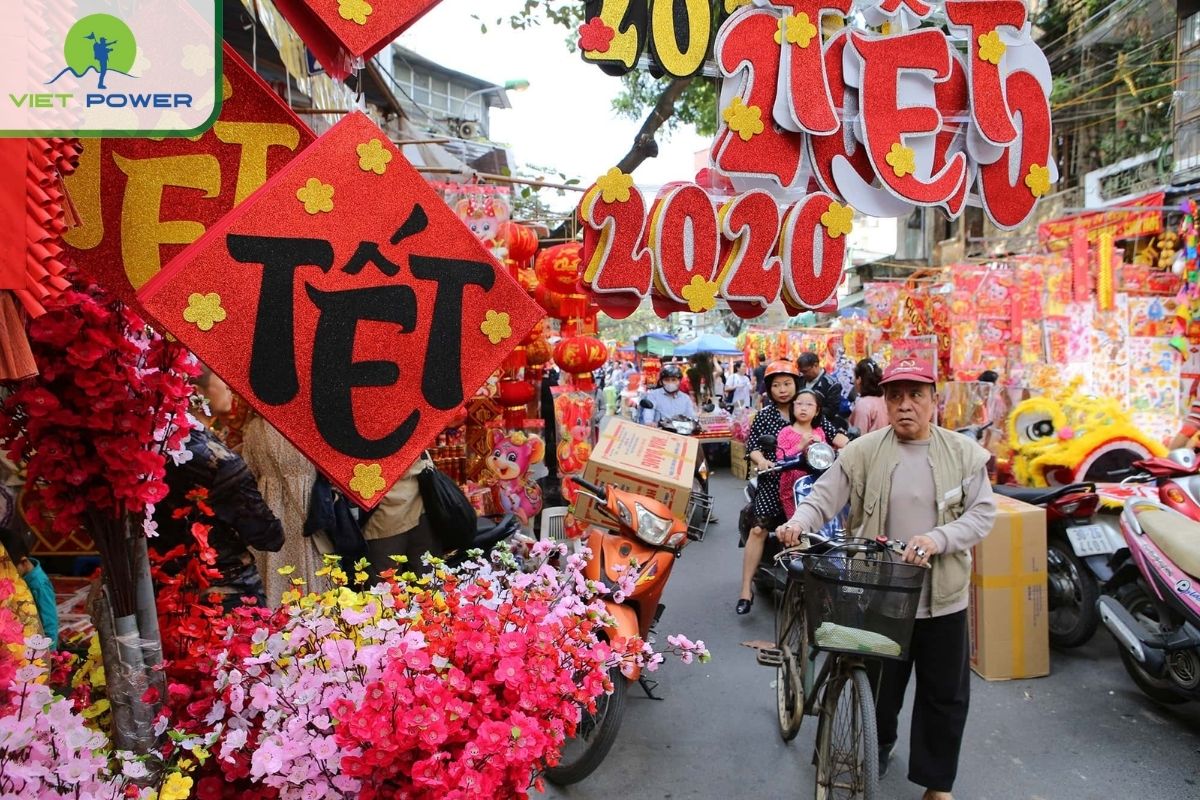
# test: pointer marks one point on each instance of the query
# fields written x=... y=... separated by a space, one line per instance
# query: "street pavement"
x=1083 y=733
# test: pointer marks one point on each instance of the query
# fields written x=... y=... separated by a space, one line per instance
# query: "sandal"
x=744 y=606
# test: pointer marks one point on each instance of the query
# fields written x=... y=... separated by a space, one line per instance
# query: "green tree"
x=662 y=103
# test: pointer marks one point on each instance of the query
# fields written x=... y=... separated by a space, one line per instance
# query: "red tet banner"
x=143 y=200
x=349 y=305
x=879 y=124
x=1125 y=221
x=343 y=33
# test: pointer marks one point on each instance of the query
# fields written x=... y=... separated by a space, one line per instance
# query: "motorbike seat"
x=1176 y=535
x=1040 y=496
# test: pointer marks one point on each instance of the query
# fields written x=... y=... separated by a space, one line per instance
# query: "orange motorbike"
x=644 y=537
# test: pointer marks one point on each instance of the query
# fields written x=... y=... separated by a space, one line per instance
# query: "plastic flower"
x=176 y=787
x=368 y=480
x=204 y=310
x=796 y=29
x=1038 y=180
x=838 y=220
x=991 y=48
x=615 y=186
x=355 y=11
x=744 y=120
x=701 y=294
x=902 y=160
x=316 y=196
x=373 y=157
x=595 y=36
x=496 y=326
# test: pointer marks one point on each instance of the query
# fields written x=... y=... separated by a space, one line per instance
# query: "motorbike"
x=815 y=460
x=1077 y=554
x=699 y=512
x=1154 y=610
x=645 y=537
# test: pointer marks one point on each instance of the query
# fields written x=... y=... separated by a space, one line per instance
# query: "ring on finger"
x=920 y=552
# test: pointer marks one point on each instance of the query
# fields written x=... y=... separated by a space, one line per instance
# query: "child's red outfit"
x=789 y=444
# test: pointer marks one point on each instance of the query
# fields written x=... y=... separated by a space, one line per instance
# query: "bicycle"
x=846 y=601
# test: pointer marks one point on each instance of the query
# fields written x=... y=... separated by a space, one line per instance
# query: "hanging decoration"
x=506 y=471
x=141 y=201
x=388 y=319
x=344 y=34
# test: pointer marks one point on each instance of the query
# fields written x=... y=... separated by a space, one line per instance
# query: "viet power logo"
x=101 y=54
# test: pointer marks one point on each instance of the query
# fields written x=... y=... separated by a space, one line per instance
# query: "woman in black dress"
x=782 y=380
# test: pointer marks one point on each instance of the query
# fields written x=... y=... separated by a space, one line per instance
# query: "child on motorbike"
x=808 y=425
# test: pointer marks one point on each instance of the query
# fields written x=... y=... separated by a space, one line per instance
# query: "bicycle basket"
x=860 y=598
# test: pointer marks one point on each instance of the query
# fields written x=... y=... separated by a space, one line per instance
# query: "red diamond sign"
x=348 y=304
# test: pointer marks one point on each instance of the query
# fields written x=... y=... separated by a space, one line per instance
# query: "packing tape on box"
x=1015 y=581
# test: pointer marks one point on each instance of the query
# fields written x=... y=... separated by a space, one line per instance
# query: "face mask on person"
x=671 y=387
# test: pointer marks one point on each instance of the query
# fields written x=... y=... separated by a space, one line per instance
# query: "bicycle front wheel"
x=847 y=741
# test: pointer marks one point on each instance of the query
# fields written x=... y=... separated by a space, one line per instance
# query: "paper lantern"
x=528 y=280
x=514 y=396
x=579 y=356
x=515 y=360
x=558 y=267
x=537 y=353
x=521 y=241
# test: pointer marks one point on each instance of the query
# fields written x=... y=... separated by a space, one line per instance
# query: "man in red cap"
x=927 y=486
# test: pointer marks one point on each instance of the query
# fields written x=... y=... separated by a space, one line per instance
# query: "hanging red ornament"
x=521 y=241
x=579 y=356
x=558 y=267
x=537 y=353
x=515 y=396
x=515 y=360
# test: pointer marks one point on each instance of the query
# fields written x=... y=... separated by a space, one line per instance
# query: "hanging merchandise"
x=506 y=475
x=579 y=357
x=1188 y=261
x=398 y=316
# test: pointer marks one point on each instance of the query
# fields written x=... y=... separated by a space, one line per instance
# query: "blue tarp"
x=709 y=343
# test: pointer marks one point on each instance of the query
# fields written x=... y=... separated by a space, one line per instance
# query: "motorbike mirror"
x=767 y=443
x=646 y=403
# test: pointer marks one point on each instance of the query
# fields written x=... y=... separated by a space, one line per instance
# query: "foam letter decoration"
x=804 y=102
x=747 y=144
x=812 y=247
x=617 y=267
x=1006 y=202
x=824 y=151
x=344 y=33
x=614 y=33
x=900 y=15
x=349 y=305
x=953 y=102
x=979 y=22
x=141 y=201
x=750 y=276
x=680 y=32
x=894 y=129
x=683 y=242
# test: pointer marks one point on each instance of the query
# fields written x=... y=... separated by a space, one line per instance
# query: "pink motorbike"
x=1154 y=612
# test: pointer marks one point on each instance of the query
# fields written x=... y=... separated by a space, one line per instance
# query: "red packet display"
x=349 y=305
x=141 y=201
x=342 y=32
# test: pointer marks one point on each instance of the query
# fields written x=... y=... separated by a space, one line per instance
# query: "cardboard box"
x=737 y=460
x=1009 y=604
x=643 y=460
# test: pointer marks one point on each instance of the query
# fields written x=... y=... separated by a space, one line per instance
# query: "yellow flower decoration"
x=991 y=49
x=367 y=480
x=734 y=5
x=204 y=310
x=797 y=29
x=176 y=787
x=902 y=159
x=316 y=196
x=1038 y=180
x=496 y=326
x=355 y=11
x=838 y=220
x=701 y=294
x=745 y=121
x=373 y=157
x=615 y=186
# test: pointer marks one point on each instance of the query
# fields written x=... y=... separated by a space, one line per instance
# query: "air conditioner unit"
x=469 y=129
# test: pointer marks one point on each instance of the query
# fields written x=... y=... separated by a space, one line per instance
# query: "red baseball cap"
x=915 y=370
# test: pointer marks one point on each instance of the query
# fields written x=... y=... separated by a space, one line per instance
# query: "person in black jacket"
x=817 y=379
x=241 y=519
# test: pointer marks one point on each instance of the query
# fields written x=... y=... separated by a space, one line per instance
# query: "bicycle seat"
x=1036 y=496
x=1176 y=535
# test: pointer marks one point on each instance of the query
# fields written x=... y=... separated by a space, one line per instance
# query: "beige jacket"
x=401 y=509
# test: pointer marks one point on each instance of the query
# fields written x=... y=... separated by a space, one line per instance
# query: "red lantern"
x=514 y=396
x=558 y=267
x=521 y=242
x=579 y=356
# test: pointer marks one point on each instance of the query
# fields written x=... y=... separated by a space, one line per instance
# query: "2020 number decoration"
x=678 y=33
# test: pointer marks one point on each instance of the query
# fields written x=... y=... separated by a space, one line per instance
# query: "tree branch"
x=644 y=145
